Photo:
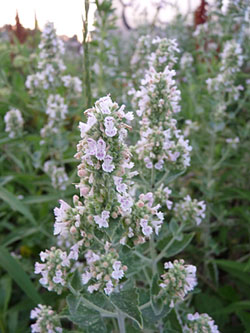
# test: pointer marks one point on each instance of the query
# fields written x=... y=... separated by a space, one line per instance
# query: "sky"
x=66 y=15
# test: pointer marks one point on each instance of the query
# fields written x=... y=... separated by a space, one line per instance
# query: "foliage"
x=159 y=239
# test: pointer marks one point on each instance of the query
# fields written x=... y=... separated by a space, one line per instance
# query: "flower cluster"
x=190 y=211
x=73 y=83
x=54 y=269
x=106 y=177
x=164 y=55
x=231 y=61
x=161 y=146
x=158 y=94
x=178 y=280
x=58 y=175
x=162 y=197
x=51 y=65
x=105 y=160
x=200 y=323
x=56 y=111
x=47 y=321
x=157 y=52
x=162 y=149
x=144 y=220
x=103 y=270
x=13 y=123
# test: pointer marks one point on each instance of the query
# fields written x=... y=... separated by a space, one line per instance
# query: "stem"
x=162 y=254
x=162 y=179
x=121 y=322
x=140 y=255
x=153 y=255
x=88 y=94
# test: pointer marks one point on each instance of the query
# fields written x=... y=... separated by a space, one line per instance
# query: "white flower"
x=107 y=165
x=14 y=123
x=102 y=220
x=120 y=187
x=126 y=202
x=110 y=129
x=117 y=273
x=93 y=287
x=100 y=149
x=86 y=277
x=109 y=288
x=84 y=128
x=104 y=104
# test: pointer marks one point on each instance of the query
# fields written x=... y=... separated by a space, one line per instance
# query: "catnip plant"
x=52 y=87
x=112 y=245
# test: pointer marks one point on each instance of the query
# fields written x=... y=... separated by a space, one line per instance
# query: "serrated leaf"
x=100 y=300
x=127 y=302
x=83 y=316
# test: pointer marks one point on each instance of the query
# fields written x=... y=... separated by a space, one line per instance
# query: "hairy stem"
x=121 y=322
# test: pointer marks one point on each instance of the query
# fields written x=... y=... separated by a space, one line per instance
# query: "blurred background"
x=67 y=16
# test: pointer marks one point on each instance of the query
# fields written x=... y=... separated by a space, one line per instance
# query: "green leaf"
x=127 y=302
x=16 y=204
x=245 y=319
x=83 y=316
x=172 y=324
x=19 y=234
x=76 y=281
x=236 y=306
x=150 y=318
x=234 y=268
x=177 y=246
x=99 y=300
x=5 y=292
x=17 y=273
x=173 y=226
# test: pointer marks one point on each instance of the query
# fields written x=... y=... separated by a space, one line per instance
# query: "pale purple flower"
x=121 y=187
x=107 y=165
x=84 y=128
x=102 y=220
x=126 y=202
x=86 y=277
x=93 y=287
x=100 y=149
x=109 y=288
x=110 y=129
x=104 y=104
x=118 y=273
x=91 y=150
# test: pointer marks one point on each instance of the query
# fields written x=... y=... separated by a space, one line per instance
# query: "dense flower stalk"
x=178 y=281
x=161 y=145
x=13 y=123
x=47 y=321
